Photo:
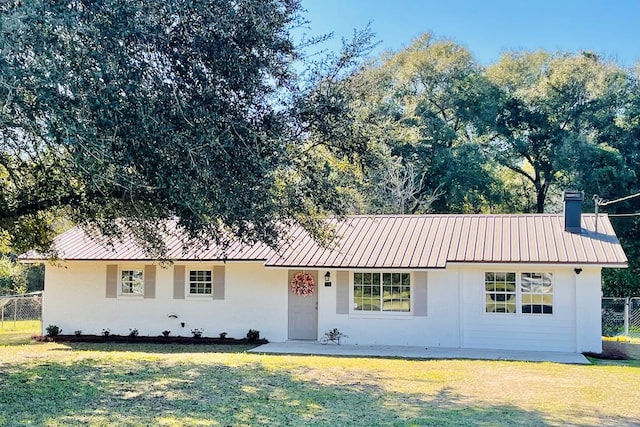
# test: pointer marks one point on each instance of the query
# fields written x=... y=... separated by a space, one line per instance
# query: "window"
x=200 y=282
x=537 y=293
x=131 y=282
x=500 y=289
x=382 y=292
x=523 y=293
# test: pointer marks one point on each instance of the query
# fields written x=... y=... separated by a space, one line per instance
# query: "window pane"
x=395 y=279
x=375 y=291
x=375 y=281
x=357 y=278
x=386 y=279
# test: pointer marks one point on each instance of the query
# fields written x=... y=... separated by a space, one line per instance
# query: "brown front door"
x=303 y=310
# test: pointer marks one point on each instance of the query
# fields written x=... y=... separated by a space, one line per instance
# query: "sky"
x=488 y=28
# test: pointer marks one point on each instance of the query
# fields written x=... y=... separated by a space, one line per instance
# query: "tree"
x=554 y=111
x=126 y=113
x=625 y=137
x=428 y=107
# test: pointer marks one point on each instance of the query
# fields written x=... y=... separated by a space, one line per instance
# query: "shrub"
x=77 y=333
x=253 y=335
x=53 y=330
x=106 y=332
x=166 y=333
x=223 y=335
x=197 y=333
x=133 y=333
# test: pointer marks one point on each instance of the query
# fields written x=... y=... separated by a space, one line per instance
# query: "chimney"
x=573 y=210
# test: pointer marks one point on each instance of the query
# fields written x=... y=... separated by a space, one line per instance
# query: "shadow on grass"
x=140 y=392
x=16 y=338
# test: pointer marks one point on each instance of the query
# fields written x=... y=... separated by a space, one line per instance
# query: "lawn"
x=171 y=385
x=19 y=332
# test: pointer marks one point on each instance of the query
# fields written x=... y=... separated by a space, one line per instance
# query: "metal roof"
x=395 y=241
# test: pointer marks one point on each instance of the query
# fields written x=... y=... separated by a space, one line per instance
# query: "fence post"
x=15 y=312
x=626 y=317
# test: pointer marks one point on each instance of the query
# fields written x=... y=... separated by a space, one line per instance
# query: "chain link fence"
x=621 y=317
x=18 y=308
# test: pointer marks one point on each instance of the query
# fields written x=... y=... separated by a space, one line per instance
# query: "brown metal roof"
x=399 y=241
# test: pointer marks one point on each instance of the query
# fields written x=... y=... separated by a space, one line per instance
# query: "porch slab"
x=315 y=348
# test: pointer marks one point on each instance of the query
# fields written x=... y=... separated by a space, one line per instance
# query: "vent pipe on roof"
x=573 y=211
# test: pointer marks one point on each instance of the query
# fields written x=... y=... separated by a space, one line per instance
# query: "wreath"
x=303 y=284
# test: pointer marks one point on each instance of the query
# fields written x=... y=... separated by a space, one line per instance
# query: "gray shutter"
x=149 y=281
x=178 y=281
x=112 y=281
x=342 y=292
x=218 y=282
x=419 y=293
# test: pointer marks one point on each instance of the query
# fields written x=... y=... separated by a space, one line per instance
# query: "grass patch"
x=19 y=332
x=136 y=384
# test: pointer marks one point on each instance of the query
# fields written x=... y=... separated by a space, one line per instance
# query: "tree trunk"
x=541 y=196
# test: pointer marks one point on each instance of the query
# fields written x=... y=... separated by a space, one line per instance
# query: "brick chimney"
x=573 y=210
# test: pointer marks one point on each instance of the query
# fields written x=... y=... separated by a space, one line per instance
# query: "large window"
x=382 y=292
x=200 y=282
x=131 y=282
x=510 y=292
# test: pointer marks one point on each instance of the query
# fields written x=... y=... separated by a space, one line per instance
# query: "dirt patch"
x=148 y=340
x=617 y=350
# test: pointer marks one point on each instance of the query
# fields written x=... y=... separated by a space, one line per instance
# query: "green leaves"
x=126 y=113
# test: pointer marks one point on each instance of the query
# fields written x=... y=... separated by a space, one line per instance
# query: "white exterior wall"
x=589 y=311
x=456 y=314
x=255 y=298
x=438 y=329
x=572 y=311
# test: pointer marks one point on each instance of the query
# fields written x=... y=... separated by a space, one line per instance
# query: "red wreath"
x=303 y=284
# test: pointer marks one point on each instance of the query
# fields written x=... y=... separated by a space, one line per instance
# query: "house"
x=530 y=282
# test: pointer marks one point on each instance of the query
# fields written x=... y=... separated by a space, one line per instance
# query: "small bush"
x=223 y=335
x=166 y=333
x=77 y=332
x=53 y=330
x=106 y=332
x=253 y=335
x=197 y=333
x=133 y=333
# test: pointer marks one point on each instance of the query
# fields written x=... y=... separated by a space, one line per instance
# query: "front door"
x=303 y=305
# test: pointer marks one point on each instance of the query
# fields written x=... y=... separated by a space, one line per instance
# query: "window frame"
x=380 y=313
x=519 y=292
x=121 y=281
x=187 y=283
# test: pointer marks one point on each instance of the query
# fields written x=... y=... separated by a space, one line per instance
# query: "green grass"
x=48 y=384
x=18 y=332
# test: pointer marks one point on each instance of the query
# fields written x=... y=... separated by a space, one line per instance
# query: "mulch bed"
x=611 y=350
x=147 y=340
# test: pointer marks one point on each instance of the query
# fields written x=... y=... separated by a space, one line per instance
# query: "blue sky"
x=487 y=28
